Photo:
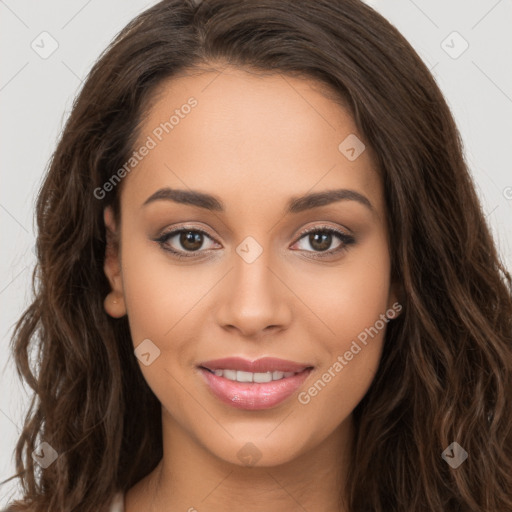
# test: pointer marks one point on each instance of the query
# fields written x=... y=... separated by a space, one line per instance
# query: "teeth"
x=262 y=377
x=244 y=376
x=241 y=376
x=229 y=374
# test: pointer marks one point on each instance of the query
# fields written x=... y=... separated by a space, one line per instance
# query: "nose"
x=254 y=298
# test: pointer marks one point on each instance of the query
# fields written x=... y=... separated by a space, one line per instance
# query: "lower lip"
x=254 y=396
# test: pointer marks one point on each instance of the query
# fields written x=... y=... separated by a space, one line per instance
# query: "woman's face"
x=251 y=284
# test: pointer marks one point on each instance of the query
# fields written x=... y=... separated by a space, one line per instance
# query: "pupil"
x=325 y=242
x=191 y=240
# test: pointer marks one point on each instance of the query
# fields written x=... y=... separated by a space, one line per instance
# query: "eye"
x=320 y=238
x=190 y=240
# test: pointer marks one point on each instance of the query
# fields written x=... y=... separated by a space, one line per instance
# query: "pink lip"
x=253 y=395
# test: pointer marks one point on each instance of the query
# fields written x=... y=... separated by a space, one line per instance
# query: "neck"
x=191 y=478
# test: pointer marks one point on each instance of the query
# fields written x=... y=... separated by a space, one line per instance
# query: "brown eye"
x=184 y=242
x=191 y=240
x=320 y=240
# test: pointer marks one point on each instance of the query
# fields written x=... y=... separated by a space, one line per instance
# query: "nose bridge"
x=251 y=272
x=255 y=298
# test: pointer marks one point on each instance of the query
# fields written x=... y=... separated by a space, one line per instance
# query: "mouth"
x=253 y=385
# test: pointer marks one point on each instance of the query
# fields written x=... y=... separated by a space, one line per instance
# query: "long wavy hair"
x=446 y=368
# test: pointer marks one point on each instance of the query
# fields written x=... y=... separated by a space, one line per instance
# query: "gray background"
x=36 y=95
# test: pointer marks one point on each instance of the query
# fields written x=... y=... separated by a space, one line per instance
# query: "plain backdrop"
x=464 y=43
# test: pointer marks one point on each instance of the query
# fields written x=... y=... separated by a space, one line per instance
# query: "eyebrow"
x=294 y=205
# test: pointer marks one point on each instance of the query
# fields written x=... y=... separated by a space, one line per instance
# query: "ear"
x=114 y=303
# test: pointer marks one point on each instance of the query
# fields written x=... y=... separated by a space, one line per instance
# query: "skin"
x=254 y=141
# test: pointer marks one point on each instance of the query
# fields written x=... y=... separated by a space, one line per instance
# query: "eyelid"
x=172 y=232
x=169 y=233
x=313 y=227
x=320 y=227
x=345 y=238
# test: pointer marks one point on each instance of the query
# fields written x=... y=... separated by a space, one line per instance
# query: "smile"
x=232 y=382
x=241 y=376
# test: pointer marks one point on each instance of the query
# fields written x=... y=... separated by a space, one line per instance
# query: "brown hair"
x=445 y=373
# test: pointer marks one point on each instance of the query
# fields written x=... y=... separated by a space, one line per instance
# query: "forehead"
x=248 y=137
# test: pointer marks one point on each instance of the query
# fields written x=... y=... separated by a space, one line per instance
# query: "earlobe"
x=114 y=303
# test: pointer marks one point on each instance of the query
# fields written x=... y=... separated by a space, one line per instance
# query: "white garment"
x=117 y=503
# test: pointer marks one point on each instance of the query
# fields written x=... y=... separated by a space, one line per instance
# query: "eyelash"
x=346 y=240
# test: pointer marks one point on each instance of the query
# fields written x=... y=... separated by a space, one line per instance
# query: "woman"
x=265 y=281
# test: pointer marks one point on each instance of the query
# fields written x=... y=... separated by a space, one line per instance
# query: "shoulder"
x=117 y=504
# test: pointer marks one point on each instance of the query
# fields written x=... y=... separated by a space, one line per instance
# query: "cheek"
x=336 y=389
x=164 y=305
x=349 y=298
x=160 y=303
x=351 y=360
x=353 y=305
x=158 y=294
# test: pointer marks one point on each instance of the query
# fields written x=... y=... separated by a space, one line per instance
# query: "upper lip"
x=265 y=364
